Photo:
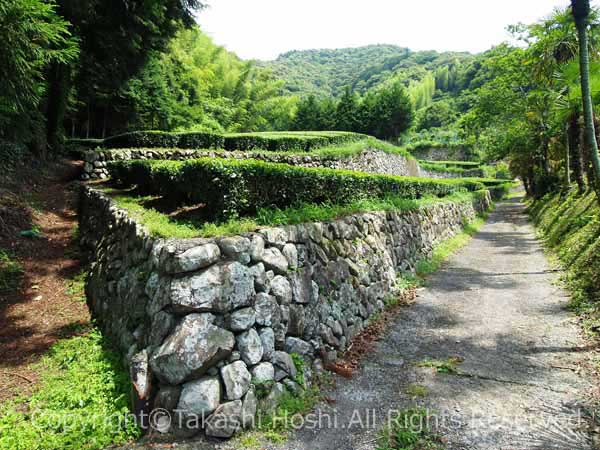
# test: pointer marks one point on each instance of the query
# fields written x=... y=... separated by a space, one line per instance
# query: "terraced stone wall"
x=371 y=161
x=207 y=324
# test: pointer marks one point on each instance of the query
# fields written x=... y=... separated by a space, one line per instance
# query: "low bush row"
x=161 y=139
x=288 y=141
x=231 y=188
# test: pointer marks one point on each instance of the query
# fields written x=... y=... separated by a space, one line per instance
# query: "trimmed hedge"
x=288 y=141
x=231 y=188
x=161 y=139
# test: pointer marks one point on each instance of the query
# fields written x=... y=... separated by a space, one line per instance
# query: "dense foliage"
x=71 y=57
x=325 y=73
x=272 y=141
x=197 y=85
x=231 y=188
x=385 y=113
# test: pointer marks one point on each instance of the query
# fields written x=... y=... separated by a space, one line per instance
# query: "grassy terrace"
x=162 y=220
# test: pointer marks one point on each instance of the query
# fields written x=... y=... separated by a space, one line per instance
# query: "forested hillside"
x=328 y=72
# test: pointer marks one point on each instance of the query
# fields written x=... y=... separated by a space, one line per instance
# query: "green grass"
x=409 y=431
x=448 y=365
x=445 y=249
x=569 y=225
x=81 y=399
x=11 y=272
x=417 y=391
x=162 y=225
x=76 y=286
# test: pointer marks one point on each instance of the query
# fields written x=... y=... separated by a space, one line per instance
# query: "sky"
x=263 y=29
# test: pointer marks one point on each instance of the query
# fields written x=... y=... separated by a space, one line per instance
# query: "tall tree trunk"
x=104 y=122
x=581 y=13
x=575 y=145
x=58 y=92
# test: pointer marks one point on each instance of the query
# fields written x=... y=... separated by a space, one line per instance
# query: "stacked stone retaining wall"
x=371 y=161
x=206 y=325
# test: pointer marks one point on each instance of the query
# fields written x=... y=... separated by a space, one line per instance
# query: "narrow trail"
x=522 y=381
x=41 y=311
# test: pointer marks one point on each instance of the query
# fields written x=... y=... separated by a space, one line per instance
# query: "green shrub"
x=161 y=139
x=501 y=190
x=11 y=154
x=301 y=141
x=284 y=141
x=232 y=188
x=11 y=272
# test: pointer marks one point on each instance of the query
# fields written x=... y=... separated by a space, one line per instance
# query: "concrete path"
x=494 y=305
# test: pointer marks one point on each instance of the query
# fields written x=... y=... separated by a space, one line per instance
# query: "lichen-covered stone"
x=236 y=247
x=225 y=421
x=220 y=288
x=236 y=379
x=291 y=254
x=249 y=406
x=298 y=346
x=282 y=290
x=250 y=347
x=284 y=365
x=263 y=372
x=200 y=397
x=267 y=310
x=141 y=376
x=242 y=319
x=271 y=402
x=274 y=260
x=257 y=247
x=194 y=346
x=302 y=287
x=267 y=337
x=297 y=322
x=194 y=259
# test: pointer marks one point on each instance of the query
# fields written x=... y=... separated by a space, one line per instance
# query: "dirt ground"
x=44 y=308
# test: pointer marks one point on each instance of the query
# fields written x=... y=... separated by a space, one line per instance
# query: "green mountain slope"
x=327 y=72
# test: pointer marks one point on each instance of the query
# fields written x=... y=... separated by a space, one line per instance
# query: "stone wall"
x=372 y=161
x=441 y=154
x=207 y=324
x=477 y=173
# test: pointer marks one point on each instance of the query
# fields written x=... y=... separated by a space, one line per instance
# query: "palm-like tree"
x=581 y=14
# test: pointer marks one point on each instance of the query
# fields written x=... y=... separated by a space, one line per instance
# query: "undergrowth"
x=409 y=431
x=569 y=225
x=11 y=272
x=163 y=225
x=81 y=401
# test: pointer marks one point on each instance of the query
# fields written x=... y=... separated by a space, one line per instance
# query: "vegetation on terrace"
x=280 y=141
x=231 y=188
x=166 y=220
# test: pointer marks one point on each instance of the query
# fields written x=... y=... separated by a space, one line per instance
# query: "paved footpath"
x=496 y=306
